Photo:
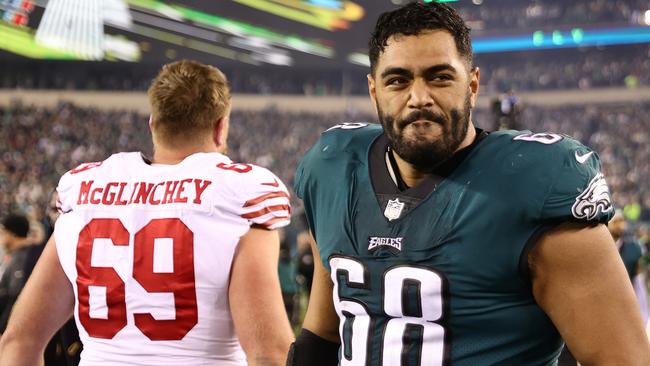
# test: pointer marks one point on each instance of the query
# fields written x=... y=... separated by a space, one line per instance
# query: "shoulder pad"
x=66 y=191
x=578 y=189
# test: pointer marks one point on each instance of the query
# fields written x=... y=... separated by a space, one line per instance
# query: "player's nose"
x=420 y=96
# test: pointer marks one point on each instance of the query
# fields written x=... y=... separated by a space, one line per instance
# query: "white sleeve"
x=264 y=200
x=64 y=193
x=67 y=190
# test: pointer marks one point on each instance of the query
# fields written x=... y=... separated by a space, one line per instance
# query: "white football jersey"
x=148 y=250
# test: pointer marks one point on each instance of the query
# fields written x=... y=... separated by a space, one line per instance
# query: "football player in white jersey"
x=171 y=261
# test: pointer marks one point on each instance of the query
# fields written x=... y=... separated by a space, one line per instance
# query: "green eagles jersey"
x=440 y=278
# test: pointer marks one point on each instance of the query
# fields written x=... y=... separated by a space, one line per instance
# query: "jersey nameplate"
x=188 y=191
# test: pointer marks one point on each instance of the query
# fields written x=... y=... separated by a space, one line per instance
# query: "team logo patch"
x=593 y=200
x=393 y=209
x=394 y=244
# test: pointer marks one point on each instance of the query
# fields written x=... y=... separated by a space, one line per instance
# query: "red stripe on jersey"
x=85 y=166
x=265 y=197
x=273 y=221
x=272 y=184
x=266 y=210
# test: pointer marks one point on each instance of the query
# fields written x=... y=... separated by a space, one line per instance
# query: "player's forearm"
x=637 y=358
x=266 y=336
x=268 y=360
x=626 y=350
x=271 y=352
x=15 y=351
x=266 y=341
x=269 y=346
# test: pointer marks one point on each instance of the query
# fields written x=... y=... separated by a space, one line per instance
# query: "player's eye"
x=398 y=81
x=441 y=78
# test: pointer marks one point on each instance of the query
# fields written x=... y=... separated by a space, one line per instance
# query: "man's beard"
x=426 y=155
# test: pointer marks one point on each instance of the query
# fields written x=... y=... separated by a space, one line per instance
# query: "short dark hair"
x=16 y=224
x=415 y=18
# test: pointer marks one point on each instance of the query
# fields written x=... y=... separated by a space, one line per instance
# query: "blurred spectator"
x=287 y=273
x=14 y=238
x=23 y=246
x=588 y=68
x=506 y=108
x=628 y=247
x=527 y=15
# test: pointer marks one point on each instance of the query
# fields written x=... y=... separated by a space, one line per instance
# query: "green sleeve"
x=579 y=191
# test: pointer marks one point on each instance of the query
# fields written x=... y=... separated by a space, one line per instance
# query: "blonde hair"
x=187 y=98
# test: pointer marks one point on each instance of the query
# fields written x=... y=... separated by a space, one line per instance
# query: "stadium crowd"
x=41 y=144
x=581 y=69
x=511 y=14
x=623 y=66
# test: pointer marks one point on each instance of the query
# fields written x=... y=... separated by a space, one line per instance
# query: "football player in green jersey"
x=442 y=244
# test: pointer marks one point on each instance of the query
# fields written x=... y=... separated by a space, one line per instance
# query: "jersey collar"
x=386 y=178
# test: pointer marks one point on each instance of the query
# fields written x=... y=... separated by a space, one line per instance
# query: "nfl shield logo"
x=393 y=209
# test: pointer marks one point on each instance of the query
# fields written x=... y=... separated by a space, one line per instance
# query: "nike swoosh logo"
x=583 y=158
x=274 y=184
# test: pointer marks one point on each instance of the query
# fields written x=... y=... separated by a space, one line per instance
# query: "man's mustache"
x=423 y=114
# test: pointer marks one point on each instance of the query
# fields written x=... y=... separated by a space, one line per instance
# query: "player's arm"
x=318 y=342
x=256 y=299
x=44 y=305
x=580 y=282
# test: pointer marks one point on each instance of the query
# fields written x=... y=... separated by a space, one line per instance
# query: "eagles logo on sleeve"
x=594 y=200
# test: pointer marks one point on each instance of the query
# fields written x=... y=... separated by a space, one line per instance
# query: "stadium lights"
x=558 y=38
x=331 y=15
x=237 y=28
x=577 y=37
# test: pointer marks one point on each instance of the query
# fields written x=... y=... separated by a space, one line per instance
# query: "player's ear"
x=372 y=90
x=220 y=133
x=152 y=128
x=474 y=82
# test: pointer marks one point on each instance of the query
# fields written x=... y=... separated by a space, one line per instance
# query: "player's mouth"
x=421 y=128
x=422 y=124
x=422 y=119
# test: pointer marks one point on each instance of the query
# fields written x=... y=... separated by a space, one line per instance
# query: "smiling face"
x=424 y=92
